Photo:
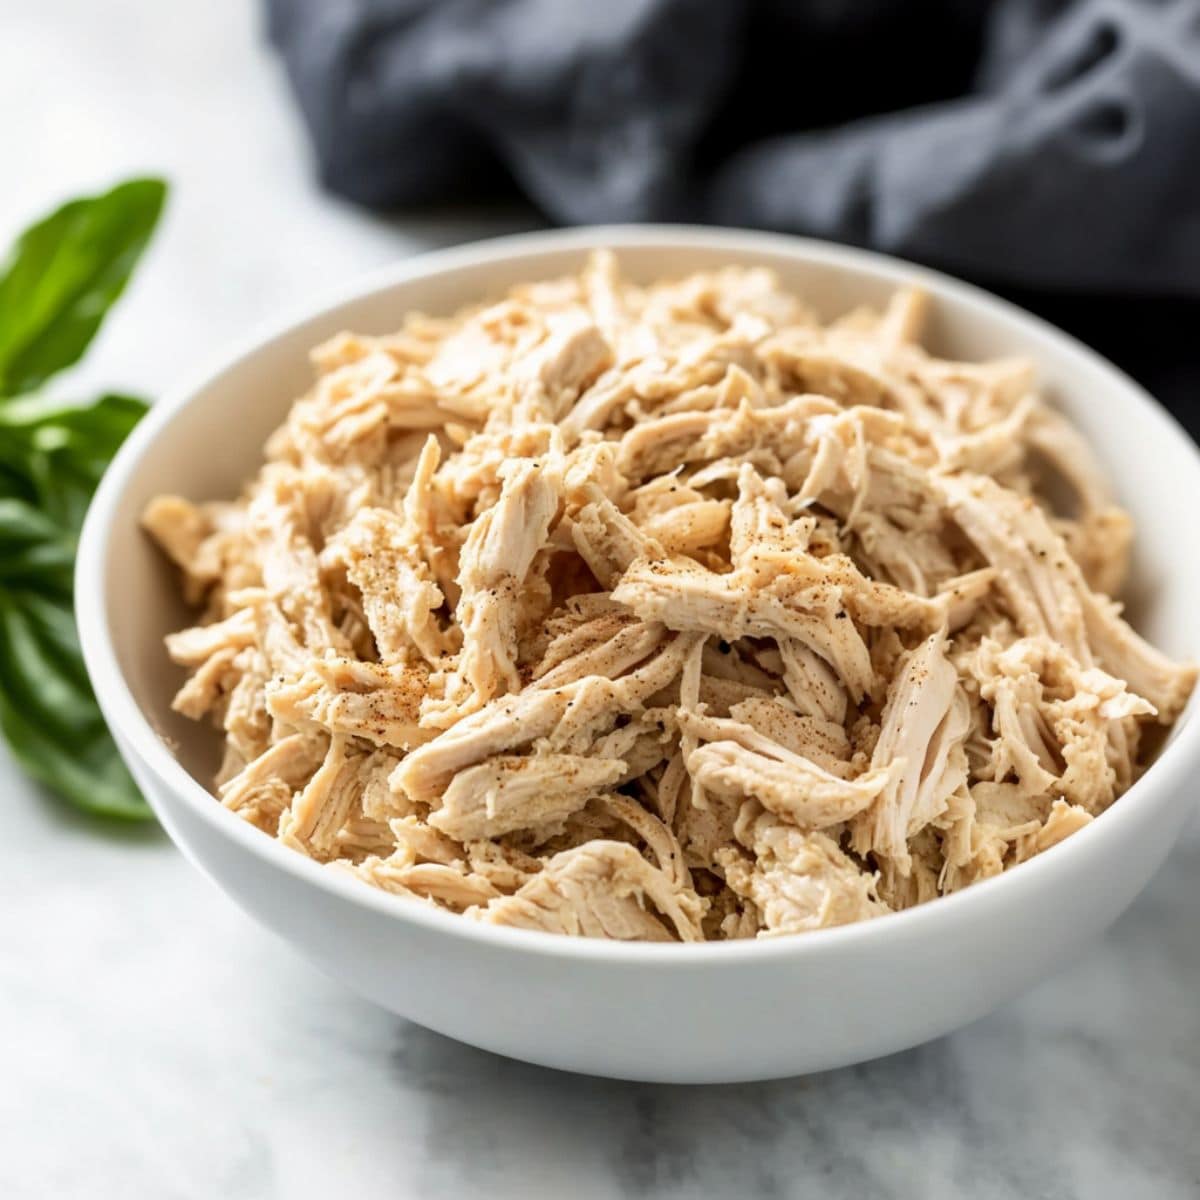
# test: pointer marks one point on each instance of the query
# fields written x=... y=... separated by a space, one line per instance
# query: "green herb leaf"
x=52 y=454
x=48 y=712
x=35 y=552
x=55 y=451
x=64 y=274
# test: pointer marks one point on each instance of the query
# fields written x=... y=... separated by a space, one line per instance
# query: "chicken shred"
x=667 y=613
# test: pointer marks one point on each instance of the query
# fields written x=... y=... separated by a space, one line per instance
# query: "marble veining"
x=157 y=1044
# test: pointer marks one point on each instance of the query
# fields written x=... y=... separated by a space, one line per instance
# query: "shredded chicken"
x=667 y=613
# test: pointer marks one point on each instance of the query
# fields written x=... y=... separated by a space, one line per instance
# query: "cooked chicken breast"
x=667 y=613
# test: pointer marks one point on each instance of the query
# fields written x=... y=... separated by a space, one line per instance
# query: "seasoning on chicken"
x=663 y=612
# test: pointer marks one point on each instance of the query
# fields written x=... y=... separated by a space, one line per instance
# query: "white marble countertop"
x=158 y=1044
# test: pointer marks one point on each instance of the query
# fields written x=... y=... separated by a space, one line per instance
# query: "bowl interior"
x=210 y=441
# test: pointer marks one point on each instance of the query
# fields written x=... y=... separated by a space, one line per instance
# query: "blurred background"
x=162 y=1046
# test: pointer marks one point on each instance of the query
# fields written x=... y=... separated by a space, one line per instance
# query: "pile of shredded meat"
x=667 y=613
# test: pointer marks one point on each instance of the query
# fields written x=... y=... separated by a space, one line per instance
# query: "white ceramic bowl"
x=741 y=1011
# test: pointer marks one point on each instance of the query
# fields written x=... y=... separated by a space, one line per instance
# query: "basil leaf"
x=36 y=553
x=48 y=712
x=64 y=274
x=52 y=454
x=60 y=279
x=55 y=451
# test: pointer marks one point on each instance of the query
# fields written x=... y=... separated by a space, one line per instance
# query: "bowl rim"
x=137 y=738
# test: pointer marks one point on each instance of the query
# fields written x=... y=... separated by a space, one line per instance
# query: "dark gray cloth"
x=1032 y=144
